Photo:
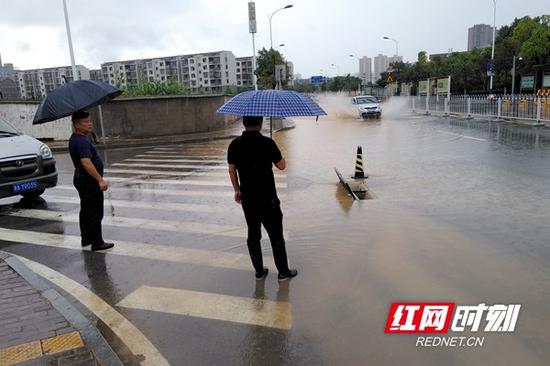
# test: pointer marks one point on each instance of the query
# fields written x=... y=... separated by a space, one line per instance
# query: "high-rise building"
x=381 y=64
x=365 y=69
x=35 y=84
x=394 y=58
x=6 y=71
x=479 y=36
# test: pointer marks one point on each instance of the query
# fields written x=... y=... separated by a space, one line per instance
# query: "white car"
x=27 y=166
x=367 y=106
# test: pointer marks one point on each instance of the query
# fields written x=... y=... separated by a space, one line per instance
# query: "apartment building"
x=36 y=83
x=365 y=69
x=207 y=72
x=244 y=71
x=479 y=36
x=382 y=63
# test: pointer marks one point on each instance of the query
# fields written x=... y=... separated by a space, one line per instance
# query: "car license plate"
x=25 y=186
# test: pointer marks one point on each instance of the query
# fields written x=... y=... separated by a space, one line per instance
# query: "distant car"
x=27 y=166
x=367 y=106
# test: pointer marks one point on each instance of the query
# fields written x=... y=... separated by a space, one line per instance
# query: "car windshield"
x=7 y=129
x=365 y=100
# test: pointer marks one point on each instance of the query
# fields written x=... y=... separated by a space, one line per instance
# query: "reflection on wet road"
x=460 y=214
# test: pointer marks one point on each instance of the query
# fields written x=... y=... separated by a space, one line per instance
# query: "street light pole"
x=514 y=72
x=75 y=73
x=493 y=46
x=396 y=44
x=271 y=38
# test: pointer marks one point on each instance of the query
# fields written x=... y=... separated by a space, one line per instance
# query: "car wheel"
x=33 y=194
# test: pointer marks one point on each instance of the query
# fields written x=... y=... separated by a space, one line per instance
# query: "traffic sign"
x=318 y=79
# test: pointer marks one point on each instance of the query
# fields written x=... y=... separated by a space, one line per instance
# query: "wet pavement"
x=460 y=214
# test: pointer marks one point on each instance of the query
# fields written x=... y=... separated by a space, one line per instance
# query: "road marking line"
x=460 y=135
x=182 y=166
x=192 y=182
x=168 y=206
x=131 y=336
x=137 y=223
x=200 y=257
x=176 y=173
x=178 y=161
x=234 y=309
x=161 y=192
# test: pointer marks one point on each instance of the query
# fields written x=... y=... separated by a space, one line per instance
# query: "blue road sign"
x=317 y=79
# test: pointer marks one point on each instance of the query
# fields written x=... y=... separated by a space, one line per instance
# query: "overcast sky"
x=316 y=33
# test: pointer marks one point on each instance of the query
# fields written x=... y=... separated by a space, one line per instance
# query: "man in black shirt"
x=250 y=158
x=88 y=181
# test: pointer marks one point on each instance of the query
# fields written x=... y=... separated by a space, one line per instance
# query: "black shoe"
x=85 y=244
x=263 y=275
x=102 y=246
x=287 y=276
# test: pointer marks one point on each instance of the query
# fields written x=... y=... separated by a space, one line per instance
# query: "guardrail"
x=527 y=107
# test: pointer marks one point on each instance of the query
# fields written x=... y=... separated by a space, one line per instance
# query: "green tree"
x=265 y=69
x=154 y=88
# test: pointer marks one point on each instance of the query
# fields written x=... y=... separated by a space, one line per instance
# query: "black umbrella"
x=74 y=96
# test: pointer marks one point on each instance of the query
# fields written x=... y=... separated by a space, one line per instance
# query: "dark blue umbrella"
x=271 y=103
x=74 y=96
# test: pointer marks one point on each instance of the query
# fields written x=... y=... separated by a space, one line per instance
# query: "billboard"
x=444 y=85
x=527 y=82
x=546 y=81
x=423 y=87
x=252 y=17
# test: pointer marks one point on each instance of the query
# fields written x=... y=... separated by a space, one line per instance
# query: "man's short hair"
x=78 y=115
x=251 y=121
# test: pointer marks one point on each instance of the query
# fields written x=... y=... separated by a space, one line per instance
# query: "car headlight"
x=45 y=152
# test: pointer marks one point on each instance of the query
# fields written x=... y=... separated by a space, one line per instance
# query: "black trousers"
x=267 y=213
x=91 y=211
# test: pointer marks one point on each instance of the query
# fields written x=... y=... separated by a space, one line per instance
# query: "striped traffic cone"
x=359 y=172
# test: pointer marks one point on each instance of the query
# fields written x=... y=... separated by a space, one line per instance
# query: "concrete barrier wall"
x=21 y=114
x=130 y=118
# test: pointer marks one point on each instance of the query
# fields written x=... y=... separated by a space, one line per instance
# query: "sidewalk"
x=34 y=325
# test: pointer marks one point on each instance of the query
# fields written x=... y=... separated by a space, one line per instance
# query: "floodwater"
x=460 y=213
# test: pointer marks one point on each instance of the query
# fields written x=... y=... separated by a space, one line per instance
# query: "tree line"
x=526 y=38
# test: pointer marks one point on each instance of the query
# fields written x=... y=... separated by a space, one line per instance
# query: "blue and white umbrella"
x=271 y=103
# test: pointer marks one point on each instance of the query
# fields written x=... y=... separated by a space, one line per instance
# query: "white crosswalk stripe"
x=176 y=173
x=177 y=160
x=266 y=313
x=157 y=251
x=158 y=192
x=191 y=182
x=168 y=206
x=145 y=224
x=181 y=166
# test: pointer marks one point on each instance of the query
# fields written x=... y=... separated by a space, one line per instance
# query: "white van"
x=27 y=166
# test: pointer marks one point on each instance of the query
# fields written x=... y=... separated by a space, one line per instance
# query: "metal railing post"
x=427 y=104
x=413 y=104
x=469 y=106
x=499 y=108
x=538 y=109
x=446 y=104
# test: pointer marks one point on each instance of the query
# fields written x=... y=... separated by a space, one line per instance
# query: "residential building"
x=244 y=71
x=96 y=75
x=35 y=84
x=381 y=64
x=290 y=69
x=365 y=69
x=393 y=59
x=479 y=36
x=200 y=73
x=8 y=89
x=6 y=70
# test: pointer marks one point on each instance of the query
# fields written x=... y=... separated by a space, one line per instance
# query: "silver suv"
x=27 y=166
x=367 y=106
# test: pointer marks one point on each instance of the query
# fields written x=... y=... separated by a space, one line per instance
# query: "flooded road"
x=460 y=214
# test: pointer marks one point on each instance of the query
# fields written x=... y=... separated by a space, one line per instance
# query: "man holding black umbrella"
x=88 y=181
x=250 y=158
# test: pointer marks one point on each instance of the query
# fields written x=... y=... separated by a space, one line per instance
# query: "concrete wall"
x=21 y=114
x=130 y=118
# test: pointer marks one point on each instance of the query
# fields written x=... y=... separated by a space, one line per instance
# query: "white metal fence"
x=522 y=107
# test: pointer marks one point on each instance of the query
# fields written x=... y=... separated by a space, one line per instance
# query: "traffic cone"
x=359 y=173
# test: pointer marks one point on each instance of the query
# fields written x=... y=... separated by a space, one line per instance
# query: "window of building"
x=238 y=70
x=227 y=81
x=110 y=68
x=192 y=61
x=193 y=76
x=192 y=68
x=238 y=83
x=226 y=67
x=226 y=75
x=204 y=59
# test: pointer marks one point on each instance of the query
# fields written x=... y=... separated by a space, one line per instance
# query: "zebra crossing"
x=184 y=193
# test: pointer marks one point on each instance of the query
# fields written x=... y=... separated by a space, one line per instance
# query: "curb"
x=91 y=335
